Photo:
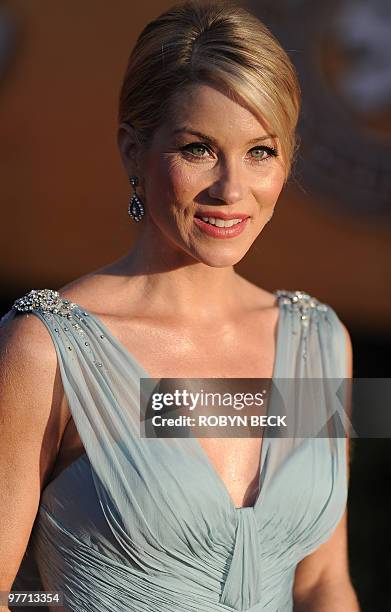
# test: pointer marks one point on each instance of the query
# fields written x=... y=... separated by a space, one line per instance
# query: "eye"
x=270 y=152
x=198 y=150
x=195 y=146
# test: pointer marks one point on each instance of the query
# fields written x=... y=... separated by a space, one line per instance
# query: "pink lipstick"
x=206 y=221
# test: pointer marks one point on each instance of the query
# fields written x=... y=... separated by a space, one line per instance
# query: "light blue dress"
x=148 y=525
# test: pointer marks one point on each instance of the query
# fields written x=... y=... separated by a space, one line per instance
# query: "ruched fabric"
x=146 y=524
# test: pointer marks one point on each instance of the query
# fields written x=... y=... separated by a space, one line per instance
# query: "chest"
x=246 y=351
x=243 y=349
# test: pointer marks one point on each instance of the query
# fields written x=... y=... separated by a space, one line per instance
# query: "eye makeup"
x=270 y=150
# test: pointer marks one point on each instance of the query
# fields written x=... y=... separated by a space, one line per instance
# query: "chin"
x=225 y=259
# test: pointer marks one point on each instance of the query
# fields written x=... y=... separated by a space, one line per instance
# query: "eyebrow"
x=212 y=140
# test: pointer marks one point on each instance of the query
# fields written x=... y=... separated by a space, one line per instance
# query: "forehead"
x=209 y=109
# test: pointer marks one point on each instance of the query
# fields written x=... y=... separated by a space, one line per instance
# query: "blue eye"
x=195 y=145
x=272 y=152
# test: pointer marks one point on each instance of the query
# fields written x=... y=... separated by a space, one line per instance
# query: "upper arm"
x=329 y=562
x=31 y=425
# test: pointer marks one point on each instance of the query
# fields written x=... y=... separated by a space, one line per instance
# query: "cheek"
x=172 y=187
x=269 y=187
x=184 y=181
x=172 y=180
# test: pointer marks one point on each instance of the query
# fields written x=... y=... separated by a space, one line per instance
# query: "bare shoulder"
x=347 y=335
x=28 y=360
x=25 y=342
x=349 y=351
x=32 y=404
x=28 y=357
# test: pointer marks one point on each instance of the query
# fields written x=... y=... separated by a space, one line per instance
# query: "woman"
x=114 y=521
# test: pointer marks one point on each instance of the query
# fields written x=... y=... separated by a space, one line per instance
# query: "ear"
x=129 y=147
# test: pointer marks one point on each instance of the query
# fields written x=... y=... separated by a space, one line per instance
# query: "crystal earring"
x=135 y=207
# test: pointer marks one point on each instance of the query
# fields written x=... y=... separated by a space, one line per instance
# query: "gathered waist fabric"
x=91 y=581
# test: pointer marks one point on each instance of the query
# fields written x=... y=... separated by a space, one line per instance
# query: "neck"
x=174 y=282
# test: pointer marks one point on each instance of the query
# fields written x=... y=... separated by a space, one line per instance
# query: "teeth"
x=221 y=222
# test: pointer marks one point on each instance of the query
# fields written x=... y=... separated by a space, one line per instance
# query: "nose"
x=229 y=185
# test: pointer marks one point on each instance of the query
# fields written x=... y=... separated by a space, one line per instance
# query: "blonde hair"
x=215 y=43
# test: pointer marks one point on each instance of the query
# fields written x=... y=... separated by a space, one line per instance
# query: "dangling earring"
x=135 y=207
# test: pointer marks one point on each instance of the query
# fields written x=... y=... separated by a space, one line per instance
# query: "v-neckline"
x=145 y=374
x=264 y=443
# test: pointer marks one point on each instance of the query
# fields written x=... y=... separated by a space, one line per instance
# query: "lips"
x=221 y=215
x=211 y=229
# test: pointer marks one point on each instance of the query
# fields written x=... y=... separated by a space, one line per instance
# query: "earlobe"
x=127 y=144
x=122 y=140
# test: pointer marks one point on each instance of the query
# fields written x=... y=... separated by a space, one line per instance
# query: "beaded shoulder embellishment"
x=45 y=300
x=304 y=304
x=301 y=301
x=50 y=303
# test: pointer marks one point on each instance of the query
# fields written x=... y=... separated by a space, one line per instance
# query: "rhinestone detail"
x=301 y=301
x=50 y=303
x=304 y=304
x=135 y=207
x=46 y=300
